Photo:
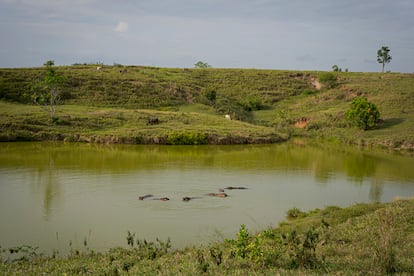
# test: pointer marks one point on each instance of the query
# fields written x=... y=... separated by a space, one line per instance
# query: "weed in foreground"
x=295 y=213
x=301 y=249
x=384 y=245
x=202 y=262
x=148 y=249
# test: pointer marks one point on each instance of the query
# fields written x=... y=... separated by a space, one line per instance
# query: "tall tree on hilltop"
x=201 y=64
x=383 y=56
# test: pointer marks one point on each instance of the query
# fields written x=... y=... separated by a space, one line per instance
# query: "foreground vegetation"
x=365 y=239
x=134 y=104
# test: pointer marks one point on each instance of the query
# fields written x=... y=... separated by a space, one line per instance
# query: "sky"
x=262 y=34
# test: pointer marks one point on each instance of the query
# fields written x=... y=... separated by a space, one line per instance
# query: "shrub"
x=216 y=254
x=149 y=250
x=253 y=103
x=308 y=91
x=295 y=213
x=241 y=250
x=247 y=247
x=230 y=105
x=302 y=249
x=187 y=138
x=211 y=95
x=328 y=79
x=363 y=114
x=202 y=262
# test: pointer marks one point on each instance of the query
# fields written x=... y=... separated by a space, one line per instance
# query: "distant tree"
x=47 y=92
x=383 y=56
x=201 y=64
x=363 y=113
x=335 y=68
x=49 y=63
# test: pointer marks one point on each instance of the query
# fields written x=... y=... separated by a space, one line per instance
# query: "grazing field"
x=116 y=103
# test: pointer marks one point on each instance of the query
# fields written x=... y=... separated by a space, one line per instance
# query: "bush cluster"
x=363 y=113
x=187 y=138
x=328 y=79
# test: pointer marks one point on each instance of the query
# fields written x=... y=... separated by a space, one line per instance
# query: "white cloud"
x=122 y=27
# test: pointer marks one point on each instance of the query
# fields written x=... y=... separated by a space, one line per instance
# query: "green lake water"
x=57 y=195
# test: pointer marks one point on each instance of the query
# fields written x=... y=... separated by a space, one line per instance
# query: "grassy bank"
x=77 y=123
x=366 y=239
x=115 y=104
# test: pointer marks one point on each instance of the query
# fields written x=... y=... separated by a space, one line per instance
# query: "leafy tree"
x=49 y=63
x=363 y=114
x=335 y=68
x=47 y=92
x=383 y=56
x=201 y=64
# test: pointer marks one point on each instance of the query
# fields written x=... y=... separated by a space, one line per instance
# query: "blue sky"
x=275 y=34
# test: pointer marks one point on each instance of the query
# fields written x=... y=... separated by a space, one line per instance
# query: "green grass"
x=120 y=125
x=265 y=103
x=325 y=110
x=367 y=239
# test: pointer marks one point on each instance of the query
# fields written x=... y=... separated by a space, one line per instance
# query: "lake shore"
x=88 y=124
x=125 y=126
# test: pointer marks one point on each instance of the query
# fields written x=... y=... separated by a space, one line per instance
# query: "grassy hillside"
x=268 y=105
x=365 y=239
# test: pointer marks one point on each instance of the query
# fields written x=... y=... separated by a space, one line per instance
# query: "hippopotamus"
x=218 y=194
x=162 y=198
x=187 y=198
x=235 y=188
x=144 y=197
x=154 y=198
